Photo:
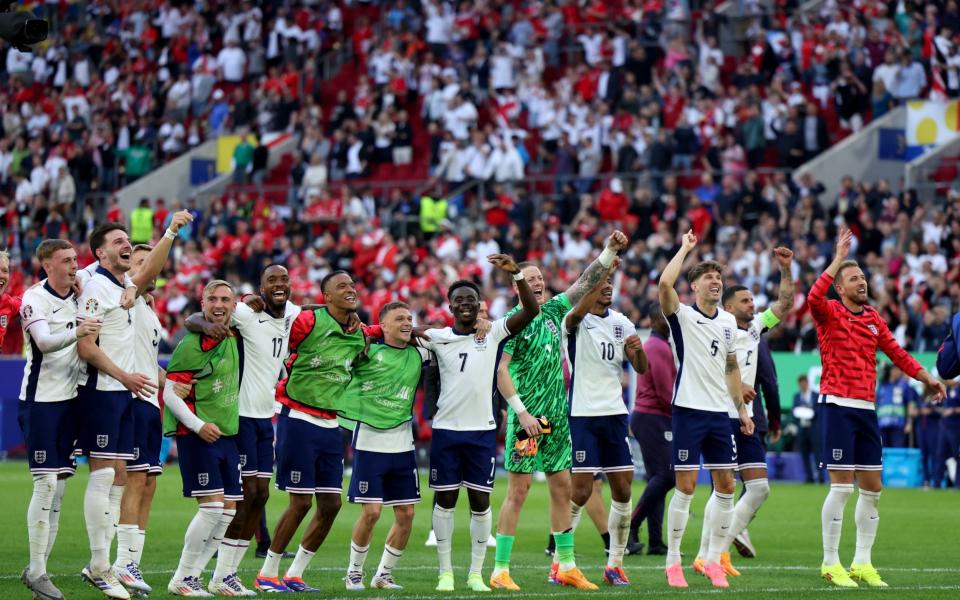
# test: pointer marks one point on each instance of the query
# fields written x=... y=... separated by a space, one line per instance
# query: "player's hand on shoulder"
x=128 y=298
x=689 y=240
x=420 y=333
x=353 y=323
x=179 y=219
x=504 y=262
x=88 y=327
x=482 y=328
x=209 y=433
x=748 y=393
x=255 y=302
x=216 y=331
x=784 y=255
x=617 y=242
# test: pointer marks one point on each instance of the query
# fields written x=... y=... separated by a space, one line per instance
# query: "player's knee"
x=447 y=500
x=45 y=485
x=328 y=505
x=300 y=504
x=761 y=489
x=404 y=515
x=620 y=491
x=479 y=501
x=580 y=494
x=370 y=513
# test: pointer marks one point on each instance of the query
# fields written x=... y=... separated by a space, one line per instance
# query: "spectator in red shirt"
x=9 y=304
x=612 y=205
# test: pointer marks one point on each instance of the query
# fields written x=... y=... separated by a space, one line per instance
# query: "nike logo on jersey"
x=57 y=310
x=699 y=322
x=589 y=327
x=263 y=320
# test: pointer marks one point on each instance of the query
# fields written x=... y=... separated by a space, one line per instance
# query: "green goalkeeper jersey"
x=536 y=363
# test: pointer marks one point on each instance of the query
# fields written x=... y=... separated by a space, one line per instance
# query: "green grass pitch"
x=917 y=548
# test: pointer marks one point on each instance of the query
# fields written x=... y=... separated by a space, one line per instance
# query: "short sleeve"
x=427 y=344
x=31 y=311
x=499 y=331
x=424 y=353
x=557 y=308
x=242 y=317
x=510 y=346
x=90 y=303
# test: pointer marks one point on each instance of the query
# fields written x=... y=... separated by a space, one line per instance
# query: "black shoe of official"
x=634 y=548
x=657 y=551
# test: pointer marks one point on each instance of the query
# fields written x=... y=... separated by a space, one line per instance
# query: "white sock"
x=443 y=527
x=238 y=554
x=707 y=528
x=576 y=512
x=225 y=554
x=116 y=497
x=38 y=521
x=831 y=519
x=271 y=564
x=216 y=538
x=480 y=524
x=618 y=524
x=55 y=515
x=388 y=560
x=867 y=517
x=141 y=542
x=757 y=492
x=198 y=532
x=96 y=513
x=677 y=514
x=126 y=547
x=301 y=561
x=358 y=556
x=720 y=528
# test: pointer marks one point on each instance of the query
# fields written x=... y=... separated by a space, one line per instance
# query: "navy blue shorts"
x=851 y=439
x=106 y=424
x=309 y=457
x=655 y=437
x=49 y=428
x=750 y=449
x=209 y=469
x=147 y=437
x=255 y=443
x=388 y=478
x=704 y=433
x=463 y=458
x=600 y=444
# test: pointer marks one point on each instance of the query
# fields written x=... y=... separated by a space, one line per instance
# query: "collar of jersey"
x=108 y=275
x=49 y=288
x=697 y=308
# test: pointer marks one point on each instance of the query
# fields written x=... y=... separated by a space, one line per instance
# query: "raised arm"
x=586 y=302
x=158 y=256
x=594 y=273
x=529 y=308
x=669 y=301
x=788 y=288
x=818 y=293
x=732 y=377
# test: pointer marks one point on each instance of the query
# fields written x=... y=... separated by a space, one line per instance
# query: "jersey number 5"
x=714 y=347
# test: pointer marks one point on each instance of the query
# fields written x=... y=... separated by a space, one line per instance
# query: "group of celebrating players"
x=92 y=385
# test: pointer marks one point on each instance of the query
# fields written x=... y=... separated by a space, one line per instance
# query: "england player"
x=205 y=425
x=323 y=348
x=531 y=375
x=380 y=400
x=850 y=332
x=106 y=403
x=597 y=341
x=708 y=379
x=143 y=468
x=463 y=450
x=265 y=335
x=751 y=450
x=48 y=406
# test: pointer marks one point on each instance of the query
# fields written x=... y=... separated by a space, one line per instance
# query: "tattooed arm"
x=616 y=243
x=787 y=286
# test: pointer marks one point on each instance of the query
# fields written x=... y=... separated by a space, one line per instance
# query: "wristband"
x=518 y=276
x=606 y=257
x=170 y=234
x=516 y=404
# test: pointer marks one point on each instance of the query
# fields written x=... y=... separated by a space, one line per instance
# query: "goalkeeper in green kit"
x=530 y=376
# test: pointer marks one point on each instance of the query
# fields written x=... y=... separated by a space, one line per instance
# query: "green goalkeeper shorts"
x=555 y=448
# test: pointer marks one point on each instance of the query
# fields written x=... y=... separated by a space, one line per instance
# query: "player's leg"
x=446 y=476
x=654 y=434
x=255 y=443
x=756 y=487
x=360 y=542
x=402 y=492
x=479 y=464
x=224 y=580
x=688 y=428
x=720 y=456
x=597 y=511
x=127 y=438
x=146 y=502
x=868 y=454
x=617 y=463
x=367 y=490
x=519 y=478
x=582 y=490
x=838 y=445
x=585 y=450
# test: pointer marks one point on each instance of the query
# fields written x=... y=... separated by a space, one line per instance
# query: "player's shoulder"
x=726 y=318
x=442 y=335
x=292 y=310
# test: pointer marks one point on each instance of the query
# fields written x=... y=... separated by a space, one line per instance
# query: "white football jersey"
x=700 y=348
x=595 y=358
x=51 y=376
x=265 y=340
x=468 y=376
x=148 y=343
x=101 y=300
x=747 y=342
x=86 y=274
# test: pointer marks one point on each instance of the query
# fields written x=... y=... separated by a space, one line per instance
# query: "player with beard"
x=47 y=411
x=598 y=340
x=264 y=322
x=205 y=424
x=463 y=446
x=143 y=469
x=850 y=332
x=531 y=376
